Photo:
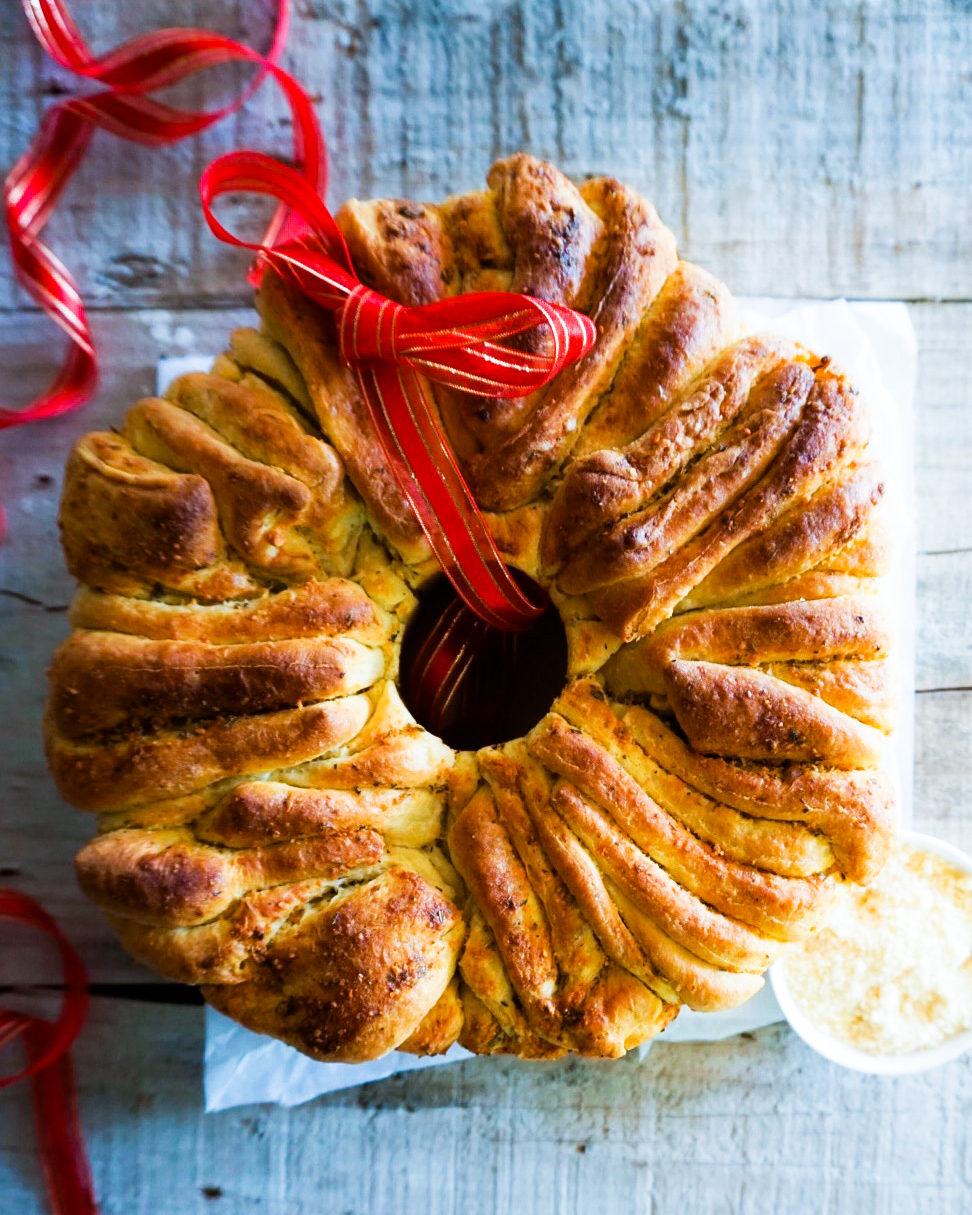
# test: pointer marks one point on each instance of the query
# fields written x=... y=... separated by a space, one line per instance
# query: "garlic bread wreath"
x=273 y=823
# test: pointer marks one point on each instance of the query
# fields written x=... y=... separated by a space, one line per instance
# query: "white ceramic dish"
x=842 y=1052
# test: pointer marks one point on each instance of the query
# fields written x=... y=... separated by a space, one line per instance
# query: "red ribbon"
x=129 y=71
x=455 y=341
x=49 y=1068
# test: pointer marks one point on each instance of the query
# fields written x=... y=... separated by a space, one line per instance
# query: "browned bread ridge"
x=274 y=825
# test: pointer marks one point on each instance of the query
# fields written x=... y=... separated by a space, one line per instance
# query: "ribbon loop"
x=129 y=72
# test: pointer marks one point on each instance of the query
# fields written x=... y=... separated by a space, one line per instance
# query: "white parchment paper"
x=875 y=343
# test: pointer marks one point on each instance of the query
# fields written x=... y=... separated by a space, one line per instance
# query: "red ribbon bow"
x=455 y=341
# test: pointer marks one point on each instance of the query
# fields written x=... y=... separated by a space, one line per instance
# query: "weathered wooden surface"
x=749 y=1126
x=796 y=150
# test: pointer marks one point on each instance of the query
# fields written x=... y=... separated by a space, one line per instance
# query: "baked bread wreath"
x=275 y=825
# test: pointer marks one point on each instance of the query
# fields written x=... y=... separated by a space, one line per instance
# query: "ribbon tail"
x=430 y=479
x=57 y=1126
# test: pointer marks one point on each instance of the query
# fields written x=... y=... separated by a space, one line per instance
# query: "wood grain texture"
x=756 y=1124
x=796 y=150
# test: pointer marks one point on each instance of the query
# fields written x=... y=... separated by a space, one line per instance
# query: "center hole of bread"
x=509 y=683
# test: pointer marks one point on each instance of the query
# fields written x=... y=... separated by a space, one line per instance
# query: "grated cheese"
x=892 y=970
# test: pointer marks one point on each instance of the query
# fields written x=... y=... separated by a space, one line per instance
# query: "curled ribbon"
x=48 y=1044
x=129 y=72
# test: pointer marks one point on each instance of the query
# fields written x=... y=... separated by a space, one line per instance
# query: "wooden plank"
x=943 y=454
x=753 y=1126
x=794 y=152
x=944 y=659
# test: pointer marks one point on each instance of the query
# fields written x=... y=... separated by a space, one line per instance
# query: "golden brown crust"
x=440 y=1027
x=495 y=1023
x=831 y=434
x=854 y=810
x=810 y=532
x=128 y=522
x=309 y=338
x=169 y=879
x=140 y=768
x=643 y=539
x=532 y=232
x=275 y=826
x=354 y=978
x=690 y=320
x=260 y=507
x=604 y=486
x=262 y=428
x=399 y=248
x=517 y=783
x=270 y=812
x=746 y=714
x=619 y=1014
x=631 y=735
x=632 y=259
x=683 y=918
x=482 y=852
x=684 y=978
x=483 y=257
x=223 y=950
x=310 y=609
x=775 y=905
x=550 y=228
x=253 y=355
x=160 y=681
x=802 y=631
x=861 y=689
x=390 y=751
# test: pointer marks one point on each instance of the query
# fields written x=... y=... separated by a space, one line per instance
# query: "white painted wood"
x=796 y=150
x=751 y=1126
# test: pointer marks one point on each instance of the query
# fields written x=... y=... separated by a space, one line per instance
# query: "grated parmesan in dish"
x=892 y=970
